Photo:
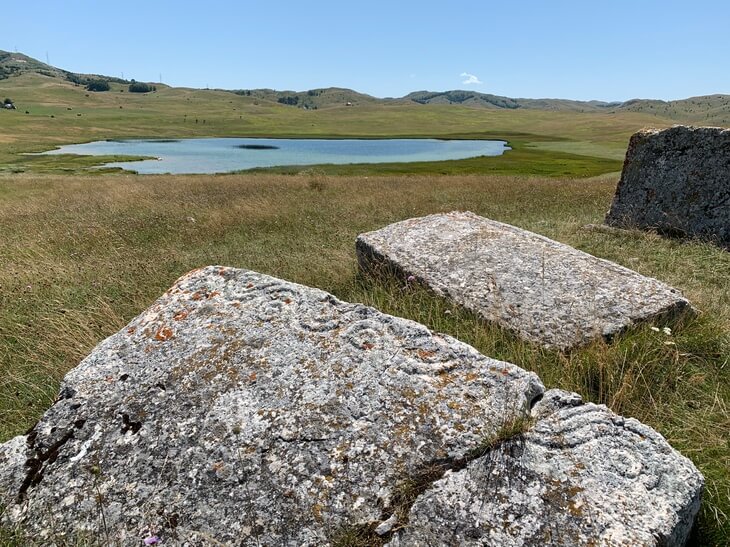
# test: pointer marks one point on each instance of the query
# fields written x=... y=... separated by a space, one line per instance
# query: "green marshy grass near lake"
x=550 y=143
x=522 y=159
x=81 y=256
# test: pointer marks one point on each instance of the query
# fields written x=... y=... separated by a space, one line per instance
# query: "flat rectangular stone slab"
x=676 y=181
x=545 y=291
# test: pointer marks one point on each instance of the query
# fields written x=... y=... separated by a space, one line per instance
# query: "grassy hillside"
x=578 y=138
x=474 y=98
x=707 y=110
x=17 y=64
x=311 y=99
x=51 y=112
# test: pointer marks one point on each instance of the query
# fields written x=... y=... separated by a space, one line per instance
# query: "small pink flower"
x=152 y=540
x=411 y=278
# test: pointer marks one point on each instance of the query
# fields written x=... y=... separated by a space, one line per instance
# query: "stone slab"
x=248 y=410
x=240 y=409
x=547 y=292
x=676 y=181
x=581 y=475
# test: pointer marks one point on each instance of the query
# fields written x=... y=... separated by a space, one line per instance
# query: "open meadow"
x=81 y=253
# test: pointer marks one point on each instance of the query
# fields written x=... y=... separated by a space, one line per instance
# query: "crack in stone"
x=395 y=517
x=36 y=464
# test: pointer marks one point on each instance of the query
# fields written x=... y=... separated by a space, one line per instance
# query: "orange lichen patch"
x=163 y=334
x=172 y=290
x=444 y=379
x=109 y=379
x=287 y=301
x=402 y=430
x=199 y=295
x=409 y=394
x=249 y=286
x=217 y=466
x=222 y=271
x=471 y=376
x=252 y=377
x=367 y=345
x=131 y=330
x=179 y=316
x=425 y=354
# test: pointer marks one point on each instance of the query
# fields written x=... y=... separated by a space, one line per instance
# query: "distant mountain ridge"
x=16 y=64
x=312 y=98
x=702 y=110
x=474 y=98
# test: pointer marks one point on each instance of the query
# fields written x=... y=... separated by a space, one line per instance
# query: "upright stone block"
x=676 y=181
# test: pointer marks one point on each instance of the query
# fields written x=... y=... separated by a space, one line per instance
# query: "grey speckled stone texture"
x=580 y=476
x=545 y=291
x=251 y=411
x=676 y=181
x=243 y=410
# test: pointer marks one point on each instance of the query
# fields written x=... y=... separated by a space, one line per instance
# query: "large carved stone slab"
x=244 y=410
x=580 y=476
x=676 y=181
x=545 y=291
x=252 y=411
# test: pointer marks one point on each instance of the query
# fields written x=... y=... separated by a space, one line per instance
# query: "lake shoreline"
x=215 y=155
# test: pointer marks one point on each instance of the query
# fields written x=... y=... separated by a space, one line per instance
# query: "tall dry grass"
x=81 y=256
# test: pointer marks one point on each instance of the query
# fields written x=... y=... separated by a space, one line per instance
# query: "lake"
x=223 y=155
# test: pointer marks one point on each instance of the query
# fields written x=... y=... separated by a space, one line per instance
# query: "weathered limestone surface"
x=244 y=410
x=676 y=181
x=243 y=406
x=545 y=291
x=580 y=476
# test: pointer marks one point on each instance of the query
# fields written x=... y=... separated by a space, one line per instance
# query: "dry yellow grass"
x=81 y=256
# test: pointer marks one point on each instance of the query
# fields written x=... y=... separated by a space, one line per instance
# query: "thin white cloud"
x=470 y=79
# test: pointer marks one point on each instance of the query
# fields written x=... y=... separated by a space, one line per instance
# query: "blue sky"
x=613 y=50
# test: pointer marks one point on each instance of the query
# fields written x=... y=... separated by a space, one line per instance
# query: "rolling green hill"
x=548 y=136
x=705 y=110
x=473 y=98
x=311 y=99
x=17 y=64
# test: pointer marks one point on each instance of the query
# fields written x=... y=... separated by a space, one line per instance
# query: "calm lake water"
x=233 y=154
